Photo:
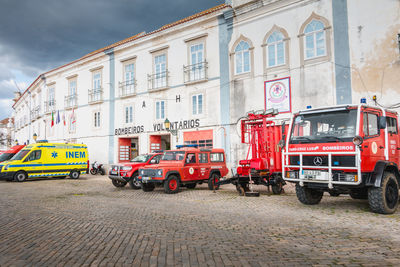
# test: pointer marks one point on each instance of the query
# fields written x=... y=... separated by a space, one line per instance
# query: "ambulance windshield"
x=141 y=158
x=324 y=127
x=173 y=155
x=20 y=155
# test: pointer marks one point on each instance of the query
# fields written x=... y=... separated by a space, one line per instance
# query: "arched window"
x=314 y=39
x=276 y=49
x=242 y=57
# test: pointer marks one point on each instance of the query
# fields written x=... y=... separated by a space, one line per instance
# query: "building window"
x=71 y=99
x=276 y=49
x=197 y=104
x=242 y=58
x=95 y=94
x=129 y=114
x=197 y=64
x=97 y=119
x=160 y=110
x=160 y=71
x=314 y=40
x=129 y=82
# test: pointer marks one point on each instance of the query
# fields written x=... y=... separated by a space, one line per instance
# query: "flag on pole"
x=64 y=119
x=58 y=117
x=52 y=118
x=73 y=116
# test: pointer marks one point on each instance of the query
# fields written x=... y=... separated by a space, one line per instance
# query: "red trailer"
x=263 y=163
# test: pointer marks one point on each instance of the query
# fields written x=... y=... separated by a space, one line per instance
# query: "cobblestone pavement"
x=90 y=222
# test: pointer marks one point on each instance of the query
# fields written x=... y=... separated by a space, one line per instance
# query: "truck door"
x=393 y=133
x=204 y=166
x=374 y=140
x=191 y=169
x=34 y=163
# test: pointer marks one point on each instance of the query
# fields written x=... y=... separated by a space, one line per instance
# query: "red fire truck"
x=263 y=163
x=352 y=149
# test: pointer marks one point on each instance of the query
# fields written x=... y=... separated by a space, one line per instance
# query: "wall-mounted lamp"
x=34 y=137
x=167 y=125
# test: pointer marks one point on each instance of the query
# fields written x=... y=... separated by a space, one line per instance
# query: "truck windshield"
x=6 y=156
x=173 y=155
x=141 y=158
x=324 y=127
x=20 y=155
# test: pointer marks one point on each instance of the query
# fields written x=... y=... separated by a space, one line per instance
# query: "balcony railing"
x=127 y=88
x=95 y=95
x=71 y=101
x=49 y=106
x=195 y=72
x=35 y=113
x=158 y=80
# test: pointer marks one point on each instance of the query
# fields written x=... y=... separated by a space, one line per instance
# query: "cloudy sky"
x=38 y=35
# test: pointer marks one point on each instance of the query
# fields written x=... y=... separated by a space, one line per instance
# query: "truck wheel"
x=147 y=187
x=213 y=179
x=171 y=185
x=359 y=193
x=74 y=174
x=134 y=183
x=118 y=183
x=308 y=196
x=385 y=199
x=20 y=176
x=191 y=186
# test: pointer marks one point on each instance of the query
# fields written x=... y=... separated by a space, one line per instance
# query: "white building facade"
x=205 y=72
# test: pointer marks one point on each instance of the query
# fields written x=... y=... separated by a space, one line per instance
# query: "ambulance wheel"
x=74 y=175
x=147 y=187
x=308 y=196
x=171 y=185
x=385 y=199
x=20 y=176
x=191 y=186
x=118 y=183
x=213 y=179
x=134 y=182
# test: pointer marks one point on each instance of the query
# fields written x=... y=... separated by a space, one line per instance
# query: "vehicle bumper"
x=146 y=180
x=6 y=175
x=119 y=178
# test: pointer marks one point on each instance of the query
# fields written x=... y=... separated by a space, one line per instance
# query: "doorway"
x=160 y=142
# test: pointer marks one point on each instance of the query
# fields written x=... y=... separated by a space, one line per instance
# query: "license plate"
x=315 y=175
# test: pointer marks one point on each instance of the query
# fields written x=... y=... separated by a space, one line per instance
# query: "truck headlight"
x=159 y=173
x=141 y=172
x=348 y=177
x=292 y=174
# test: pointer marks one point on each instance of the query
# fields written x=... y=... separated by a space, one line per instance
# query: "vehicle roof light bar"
x=322 y=110
x=191 y=145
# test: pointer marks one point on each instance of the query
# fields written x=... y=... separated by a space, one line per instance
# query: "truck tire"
x=134 y=183
x=171 y=185
x=147 y=187
x=359 y=193
x=20 y=176
x=277 y=188
x=118 y=183
x=191 y=186
x=214 y=178
x=308 y=196
x=74 y=174
x=385 y=199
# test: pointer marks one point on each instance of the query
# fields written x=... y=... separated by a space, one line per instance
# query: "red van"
x=8 y=154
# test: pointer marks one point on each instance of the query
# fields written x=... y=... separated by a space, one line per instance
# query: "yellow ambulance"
x=46 y=160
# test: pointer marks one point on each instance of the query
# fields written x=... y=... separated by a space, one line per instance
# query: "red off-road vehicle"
x=351 y=149
x=187 y=167
x=125 y=173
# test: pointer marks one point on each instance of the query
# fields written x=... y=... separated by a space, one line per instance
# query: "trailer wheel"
x=134 y=182
x=147 y=187
x=118 y=183
x=20 y=176
x=213 y=179
x=385 y=199
x=359 y=193
x=277 y=188
x=171 y=185
x=308 y=196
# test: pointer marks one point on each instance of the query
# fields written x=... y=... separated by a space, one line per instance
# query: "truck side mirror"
x=382 y=122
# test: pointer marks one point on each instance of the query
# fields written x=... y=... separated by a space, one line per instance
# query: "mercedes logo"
x=317 y=161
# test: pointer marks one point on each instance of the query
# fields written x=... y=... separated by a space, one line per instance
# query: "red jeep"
x=187 y=167
x=8 y=154
x=345 y=149
x=120 y=175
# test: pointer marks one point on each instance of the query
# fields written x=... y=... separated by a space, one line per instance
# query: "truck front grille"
x=148 y=172
x=337 y=161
